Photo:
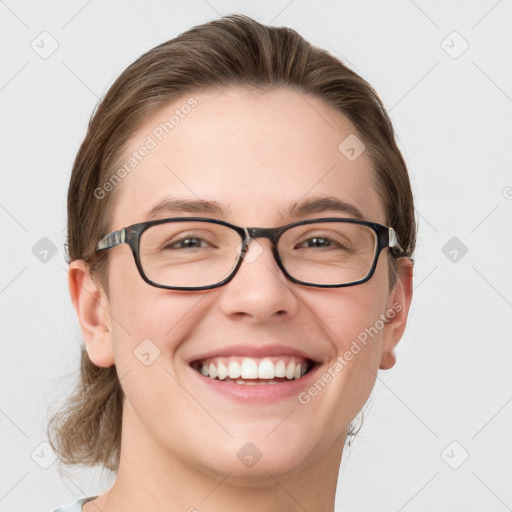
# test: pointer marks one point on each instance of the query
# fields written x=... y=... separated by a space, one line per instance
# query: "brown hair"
x=232 y=51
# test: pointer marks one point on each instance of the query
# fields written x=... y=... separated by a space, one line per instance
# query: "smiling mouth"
x=254 y=371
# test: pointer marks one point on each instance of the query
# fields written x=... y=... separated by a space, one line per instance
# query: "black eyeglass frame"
x=386 y=237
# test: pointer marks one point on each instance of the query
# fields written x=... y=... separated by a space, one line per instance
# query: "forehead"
x=254 y=153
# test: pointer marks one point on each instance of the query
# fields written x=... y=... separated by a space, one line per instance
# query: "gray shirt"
x=76 y=506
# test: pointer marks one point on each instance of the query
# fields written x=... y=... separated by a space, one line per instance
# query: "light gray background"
x=451 y=112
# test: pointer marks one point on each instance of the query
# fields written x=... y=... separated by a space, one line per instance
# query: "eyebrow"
x=323 y=204
x=175 y=206
x=297 y=209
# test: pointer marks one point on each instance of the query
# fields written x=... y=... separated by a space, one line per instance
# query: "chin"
x=251 y=458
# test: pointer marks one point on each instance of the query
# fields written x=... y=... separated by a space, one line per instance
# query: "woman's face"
x=255 y=155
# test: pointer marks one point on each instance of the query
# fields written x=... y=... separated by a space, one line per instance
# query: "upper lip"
x=257 y=351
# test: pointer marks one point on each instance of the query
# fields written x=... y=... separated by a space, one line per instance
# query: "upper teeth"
x=251 y=368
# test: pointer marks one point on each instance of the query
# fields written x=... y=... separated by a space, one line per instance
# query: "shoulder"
x=76 y=506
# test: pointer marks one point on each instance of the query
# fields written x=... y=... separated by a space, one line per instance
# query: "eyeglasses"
x=194 y=253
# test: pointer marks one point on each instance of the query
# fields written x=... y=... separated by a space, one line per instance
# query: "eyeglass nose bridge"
x=251 y=233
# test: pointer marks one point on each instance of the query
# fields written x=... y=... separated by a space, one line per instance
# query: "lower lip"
x=263 y=393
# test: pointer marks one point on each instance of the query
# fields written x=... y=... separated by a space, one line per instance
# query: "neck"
x=150 y=477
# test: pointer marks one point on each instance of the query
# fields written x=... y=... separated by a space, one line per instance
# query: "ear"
x=397 y=313
x=93 y=310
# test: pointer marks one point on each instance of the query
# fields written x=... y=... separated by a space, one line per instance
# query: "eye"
x=186 y=243
x=323 y=241
x=318 y=242
x=189 y=240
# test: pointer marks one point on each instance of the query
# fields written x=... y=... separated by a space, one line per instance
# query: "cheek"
x=352 y=319
x=149 y=326
x=148 y=320
x=352 y=313
x=356 y=330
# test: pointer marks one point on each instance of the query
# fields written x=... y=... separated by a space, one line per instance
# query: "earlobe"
x=388 y=360
x=93 y=311
x=398 y=310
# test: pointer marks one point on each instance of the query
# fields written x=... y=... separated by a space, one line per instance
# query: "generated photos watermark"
x=156 y=136
x=358 y=343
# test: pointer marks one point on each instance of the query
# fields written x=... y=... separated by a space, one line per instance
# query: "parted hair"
x=234 y=50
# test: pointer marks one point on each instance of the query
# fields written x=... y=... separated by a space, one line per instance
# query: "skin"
x=254 y=153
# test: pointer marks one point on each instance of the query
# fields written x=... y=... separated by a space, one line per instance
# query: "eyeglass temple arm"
x=112 y=239
x=393 y=242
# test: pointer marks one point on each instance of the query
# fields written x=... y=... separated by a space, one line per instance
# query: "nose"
x=259 y=291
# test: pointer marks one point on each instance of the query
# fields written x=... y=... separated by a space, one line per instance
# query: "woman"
x=240 y=234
